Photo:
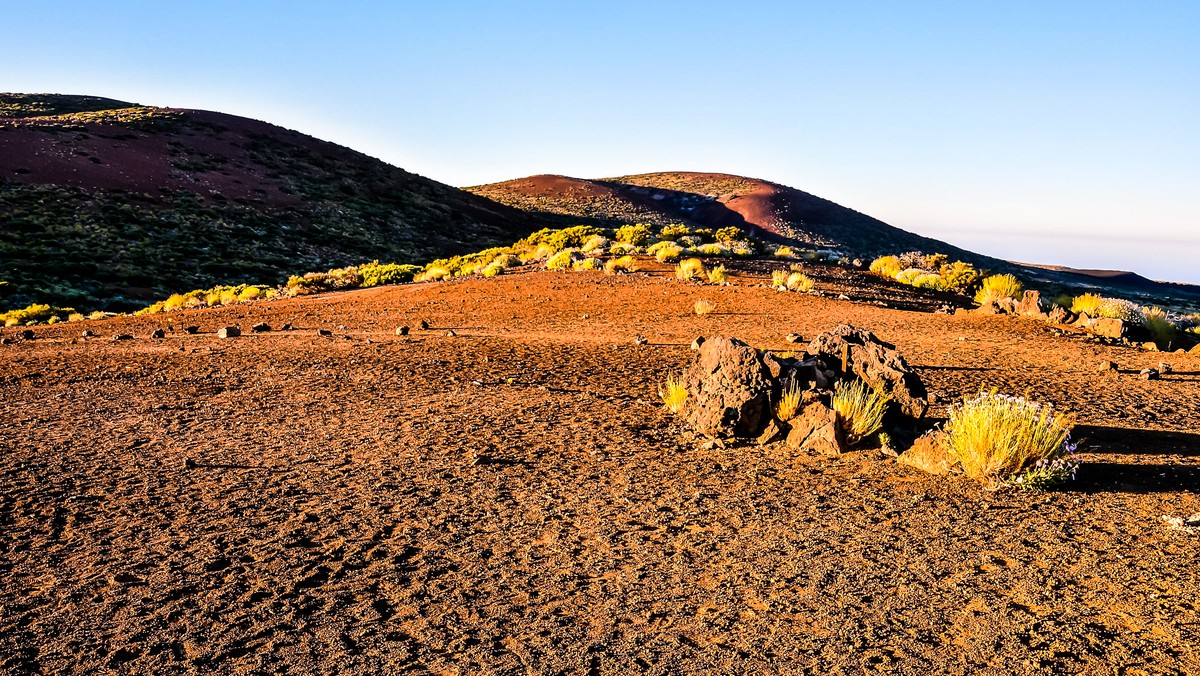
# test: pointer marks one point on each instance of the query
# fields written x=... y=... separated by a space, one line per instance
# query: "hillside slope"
x=105 y=203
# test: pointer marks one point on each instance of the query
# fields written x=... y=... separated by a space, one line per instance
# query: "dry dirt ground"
x=514 y=499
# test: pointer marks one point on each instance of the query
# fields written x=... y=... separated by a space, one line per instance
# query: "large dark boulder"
x=728 y=388
x=875 y=362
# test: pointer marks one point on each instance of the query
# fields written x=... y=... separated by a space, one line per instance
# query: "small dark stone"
x=286 y=327
x=158 y=333
x=640 y=340
x=191 y=330
x=122 y=336
x=188 y=463
x=1108 y=365
x=794 y=338
x=450 y=333
x=87 y=333
x=324 y=332
x=1164 y=367
x=402 y=331
x=6 y=341
x=229 y=332
x=28 y=334
x=697 y=343
x=424 y=325
x=261 y=327
x=1149 y=374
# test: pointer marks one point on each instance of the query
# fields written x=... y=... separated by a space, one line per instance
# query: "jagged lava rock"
x=815 y=428
x=876 y=362
x=728 y=389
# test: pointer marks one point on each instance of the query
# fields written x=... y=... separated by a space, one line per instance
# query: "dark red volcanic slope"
x=107 y=202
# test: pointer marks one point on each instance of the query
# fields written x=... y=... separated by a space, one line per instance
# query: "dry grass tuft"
x=860 y=409
x=718 y=275
x=691 y=268
x=779 y=278
x=673 y=393
x=789 y=401
x=704 y=307
x=623 y=264
x=798 y=281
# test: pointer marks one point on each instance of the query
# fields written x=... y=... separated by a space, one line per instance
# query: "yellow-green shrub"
x=718 y=275
x=1087 y=303
x=673 y=232
x=997 y=287
x=888 y=266
x=637 y=235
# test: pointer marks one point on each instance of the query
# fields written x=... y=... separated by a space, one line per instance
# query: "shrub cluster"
x=928 y=271
x=36 y=314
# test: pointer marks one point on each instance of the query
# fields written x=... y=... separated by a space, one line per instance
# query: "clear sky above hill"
x=1050 y=132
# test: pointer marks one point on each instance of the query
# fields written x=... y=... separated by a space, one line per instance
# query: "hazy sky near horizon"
x=1048 y=132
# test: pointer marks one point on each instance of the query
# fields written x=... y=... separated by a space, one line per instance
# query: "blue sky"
x=1052 y=132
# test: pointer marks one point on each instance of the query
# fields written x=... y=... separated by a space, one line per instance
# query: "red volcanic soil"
x=514 y=498
x=107 y=156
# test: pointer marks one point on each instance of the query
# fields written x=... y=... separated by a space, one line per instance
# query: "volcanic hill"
x=764 y=209
x=107 y=203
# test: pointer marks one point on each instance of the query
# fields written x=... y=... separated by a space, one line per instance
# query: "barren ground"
x=514 y=499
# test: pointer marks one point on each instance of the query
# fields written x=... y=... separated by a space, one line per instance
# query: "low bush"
x=784 y=252
x=1087 y=303
x=637 y=235
x=586 y=264
x=380 y=274
x=670 y=251
x=959 y=276
x=711 y=250
x=729 y=234
x=556 y=240
x=888 y=266
x=1119 y=308
x=597 y=243
x=998 y=440
x=563 y=260
x=703 y=307
x=673 y=232
x=622 y=249
x=718 y=275
x=997 y=287
x=779 y=278
x=859 y=409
